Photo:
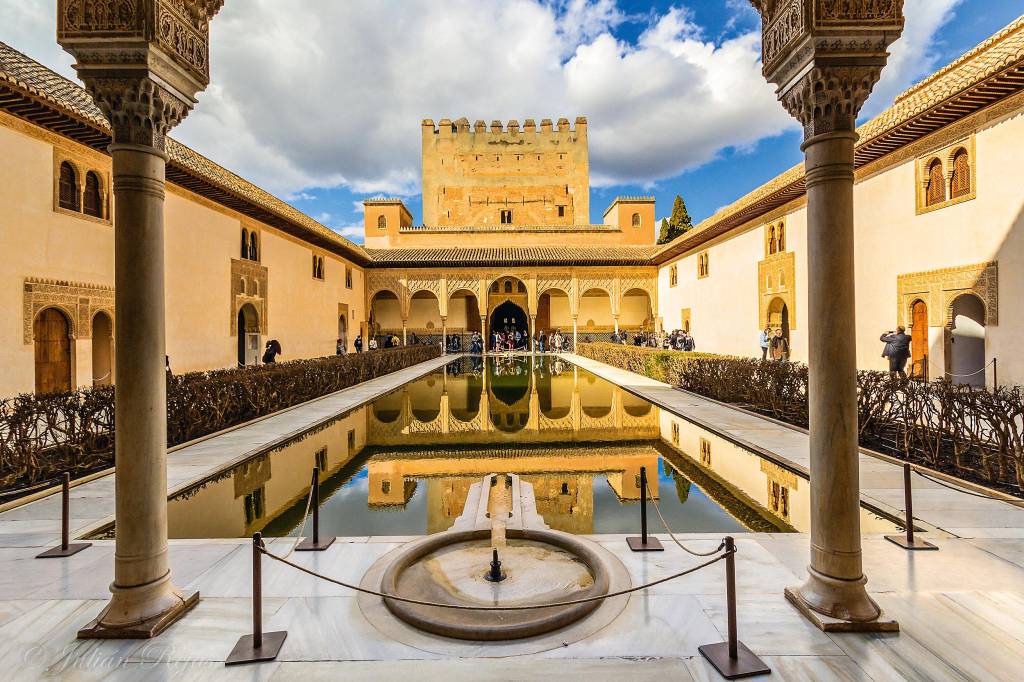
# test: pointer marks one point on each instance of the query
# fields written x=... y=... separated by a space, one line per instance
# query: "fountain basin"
x=542 y=566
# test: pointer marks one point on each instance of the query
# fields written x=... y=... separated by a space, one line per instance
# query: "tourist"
x=542 y=339
x=395 y=342
x=273 y=349
x=897 y=349
x=778 y=349
x=689 y=344
x=339 y=347
x=414 y=340
x=358 y=343
x=372 y=343
x=519 y=340
x=765 y=340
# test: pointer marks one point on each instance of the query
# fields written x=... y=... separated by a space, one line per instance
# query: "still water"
x=403 y=464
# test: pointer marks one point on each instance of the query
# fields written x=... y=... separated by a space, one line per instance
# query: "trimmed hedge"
x=974 y=434
x=43 y=435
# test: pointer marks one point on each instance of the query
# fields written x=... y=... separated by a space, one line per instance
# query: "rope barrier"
x=957 y=488
x=459 y=607
x=962 y=376
x=302 y=527
x=672 y=535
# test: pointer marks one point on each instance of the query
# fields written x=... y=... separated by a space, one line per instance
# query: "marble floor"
x=961 y=609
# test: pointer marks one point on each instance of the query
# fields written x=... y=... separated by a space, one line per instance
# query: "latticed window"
x=382 y=223
x=673 y=276
x=960 y=183
x=935 y=192
x=636 y=220
x=348 y=278
x=781 y=241
x=771 y=240
x=93 y=200
x=68 y=187
x=245 y=243
x=254 y=247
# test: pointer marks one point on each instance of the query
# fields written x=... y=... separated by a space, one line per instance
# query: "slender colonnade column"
x=143 y=67
x=825 y=59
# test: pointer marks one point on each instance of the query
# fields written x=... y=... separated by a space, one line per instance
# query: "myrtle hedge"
x=972 y=433
x=43 y=435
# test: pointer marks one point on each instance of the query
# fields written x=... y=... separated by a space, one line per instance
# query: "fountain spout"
x=495 y=575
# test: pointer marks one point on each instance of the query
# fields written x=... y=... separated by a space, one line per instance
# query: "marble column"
x=825 y=61
x=533 y=332
x=125 y=65
x=574 y=333
x=404 y=337
x=444 y=336
x=484 y=336
x=615 y=322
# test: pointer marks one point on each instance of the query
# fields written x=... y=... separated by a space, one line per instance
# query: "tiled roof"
x=498 y=227
x=988 y=73
x=515 y=255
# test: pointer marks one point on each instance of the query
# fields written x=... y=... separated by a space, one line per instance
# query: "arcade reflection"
x=403 y=465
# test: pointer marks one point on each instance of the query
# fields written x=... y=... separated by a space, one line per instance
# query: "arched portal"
x=248 y=335
x=507 y=318
x=424 y=314
x=919 y=340
x=636 y=312
x=966 y=364
x=51 y=333
x=595 y=312
x=778 y=317
x=385 y=315
x=102 y=350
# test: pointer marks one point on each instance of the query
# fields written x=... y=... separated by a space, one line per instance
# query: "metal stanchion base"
x=308 y=545
x=245 y=653
x=57 y=552
x=745 y=664
x=914 y=544
x=637 y=544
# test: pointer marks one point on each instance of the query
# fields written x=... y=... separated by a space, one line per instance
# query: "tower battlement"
x=505 y=172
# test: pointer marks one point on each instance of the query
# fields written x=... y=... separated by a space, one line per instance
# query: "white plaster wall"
x=891 y=239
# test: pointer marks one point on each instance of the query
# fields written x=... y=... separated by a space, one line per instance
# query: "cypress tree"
x=680 y=222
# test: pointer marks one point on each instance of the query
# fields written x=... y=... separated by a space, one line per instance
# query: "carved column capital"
x=825 y=56
x=140 y=110
x=143 y=61
x=827 y=100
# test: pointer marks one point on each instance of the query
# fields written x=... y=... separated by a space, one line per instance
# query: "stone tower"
x=480 y=176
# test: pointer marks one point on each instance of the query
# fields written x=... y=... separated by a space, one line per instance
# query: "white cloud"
x=323 y=93
x=301 y=196
x=358 y=207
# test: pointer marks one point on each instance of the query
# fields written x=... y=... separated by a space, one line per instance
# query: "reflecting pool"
x=403 y=464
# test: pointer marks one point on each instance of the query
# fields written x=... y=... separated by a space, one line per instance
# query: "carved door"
x=919 y=341
x=53 y=352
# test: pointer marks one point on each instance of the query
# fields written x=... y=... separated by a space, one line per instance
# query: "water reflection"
x=403 y=464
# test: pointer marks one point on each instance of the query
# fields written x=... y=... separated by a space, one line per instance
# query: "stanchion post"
x=644 y=543
x=732 y=659
x=259 y=646
x=909 y=541
x=315 y=544
x=66 y=548
x=995 y=373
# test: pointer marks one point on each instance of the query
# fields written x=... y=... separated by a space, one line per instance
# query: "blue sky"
x=319 y=101
x=734 y=171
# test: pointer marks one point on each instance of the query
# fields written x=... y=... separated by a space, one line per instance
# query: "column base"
x=834 y=605
x=107 y=626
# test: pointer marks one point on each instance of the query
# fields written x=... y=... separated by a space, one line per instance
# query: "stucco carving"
x=249 y=284
x=139 y=110
x=776 y=276
x=79 y=301
x=828 y=100
x=940 y=288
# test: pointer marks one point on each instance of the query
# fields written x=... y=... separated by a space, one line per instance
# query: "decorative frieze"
x=940 y=289
x=249 y=284
x=78 y=301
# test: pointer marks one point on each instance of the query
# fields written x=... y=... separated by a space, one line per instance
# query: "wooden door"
x=919 y=340
x=53 y=352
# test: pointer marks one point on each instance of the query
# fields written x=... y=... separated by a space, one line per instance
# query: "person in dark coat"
x=273 y=349
x=897 y=349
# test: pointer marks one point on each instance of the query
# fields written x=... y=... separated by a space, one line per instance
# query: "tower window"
x=506 y=216
x=382 y=223
x=561 y=211
x=636 y=220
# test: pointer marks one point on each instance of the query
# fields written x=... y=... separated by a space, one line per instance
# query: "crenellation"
x=472 y=176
